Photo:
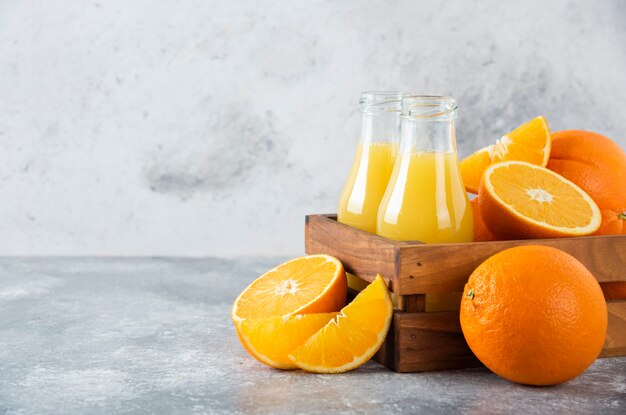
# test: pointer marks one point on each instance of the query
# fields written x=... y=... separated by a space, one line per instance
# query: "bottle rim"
x=435 y=107
x=372 y=102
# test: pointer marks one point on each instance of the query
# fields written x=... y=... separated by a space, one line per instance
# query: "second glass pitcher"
x=425 y=199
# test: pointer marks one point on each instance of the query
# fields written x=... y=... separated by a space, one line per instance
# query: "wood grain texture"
x=412 y=303
x=416 y=268
x=426 y=342
x=615 y=344
x=362 y=253
x=426 y=268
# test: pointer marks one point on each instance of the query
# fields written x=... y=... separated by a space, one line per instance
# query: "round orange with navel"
x=534 y=315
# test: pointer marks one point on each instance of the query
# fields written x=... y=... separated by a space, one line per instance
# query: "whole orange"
x=613 y=222
x=534 y=315
x=593 y=162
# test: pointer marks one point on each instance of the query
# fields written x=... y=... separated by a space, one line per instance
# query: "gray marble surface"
x=153 y=335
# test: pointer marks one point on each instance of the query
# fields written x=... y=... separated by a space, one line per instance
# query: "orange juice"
x=427 y=201
x=366 y=184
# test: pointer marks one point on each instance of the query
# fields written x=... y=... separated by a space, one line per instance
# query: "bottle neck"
x=428 y=124
x=380 y=119
x=428 y=135
x=380 y=127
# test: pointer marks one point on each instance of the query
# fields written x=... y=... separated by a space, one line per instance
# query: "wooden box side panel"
x=361 y=253
x=427 y=268
x=615 y=344
x=426 y=342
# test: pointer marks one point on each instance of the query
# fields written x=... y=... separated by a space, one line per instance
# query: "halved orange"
x=521 y=200
x=308 y=284
x=270 y=340
x=530 y=142
x=350 y=339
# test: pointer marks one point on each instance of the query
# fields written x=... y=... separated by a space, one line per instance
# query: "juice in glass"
x=374 y=160
x=428 y=201
x=366 y=184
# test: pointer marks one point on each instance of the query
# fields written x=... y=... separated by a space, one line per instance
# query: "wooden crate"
x=420 y=341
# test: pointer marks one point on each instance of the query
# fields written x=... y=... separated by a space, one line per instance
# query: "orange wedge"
x=350 y=339
x=270 y=340
x=309 y=284
x=521 y=200
x=530 y=142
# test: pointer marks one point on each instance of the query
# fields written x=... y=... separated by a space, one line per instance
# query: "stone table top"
x=153 y=335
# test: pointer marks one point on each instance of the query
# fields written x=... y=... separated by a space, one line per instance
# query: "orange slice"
x=270 y=340
x=309 y=284
x=521 y=200
x=351 y=338
x=530 y=142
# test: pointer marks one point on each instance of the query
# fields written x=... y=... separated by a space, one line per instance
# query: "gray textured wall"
x=211 y=128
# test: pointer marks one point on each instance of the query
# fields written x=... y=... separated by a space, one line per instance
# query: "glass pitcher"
x=425 y=199
x=374 y=160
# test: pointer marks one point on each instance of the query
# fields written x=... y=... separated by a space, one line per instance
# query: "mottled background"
x=212 y=128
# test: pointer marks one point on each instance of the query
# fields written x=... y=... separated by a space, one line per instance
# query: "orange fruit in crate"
x=593 y=162
x=534 y=315
x=598 y=165
x=613 y=222
x=529 y=142
x=309 y=284
x=481 y=232
x=350 y=339
x=270 y=340
x=520 y=200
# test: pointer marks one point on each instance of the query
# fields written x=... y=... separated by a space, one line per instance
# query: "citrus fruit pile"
x=294 y=316
x=534 y=184
x=534 y=315
x=586 y=195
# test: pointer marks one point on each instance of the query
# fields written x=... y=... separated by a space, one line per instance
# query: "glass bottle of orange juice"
x=374 y=160
x=426 y=200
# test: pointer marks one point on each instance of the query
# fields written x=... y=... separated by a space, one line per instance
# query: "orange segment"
x=271 y=339
x=529 y=142
x=522 y=200
x=309 y=284
x=351 y=338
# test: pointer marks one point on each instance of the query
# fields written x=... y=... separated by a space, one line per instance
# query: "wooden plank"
x=615 y=344
x=362 y=253
x=385 y=355
x=412 y=303
x=431 y=268
x=431 y=341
